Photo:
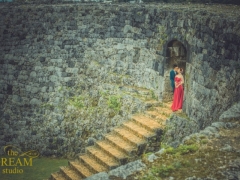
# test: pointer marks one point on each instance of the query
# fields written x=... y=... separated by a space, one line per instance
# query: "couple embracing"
x=177 y=81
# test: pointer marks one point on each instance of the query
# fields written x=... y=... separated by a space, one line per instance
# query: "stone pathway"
x=142 y=133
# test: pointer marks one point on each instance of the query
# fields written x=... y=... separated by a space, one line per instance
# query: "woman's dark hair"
x=175 y=65
x=181 y=70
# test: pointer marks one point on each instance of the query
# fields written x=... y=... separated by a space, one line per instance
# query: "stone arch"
x=175 y=53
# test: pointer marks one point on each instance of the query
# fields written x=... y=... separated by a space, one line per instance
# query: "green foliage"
x=60 y=89
x=165 y=114
x=47 y=106
x=139 y=13
x=163 y=170
x=77 y=101
x=182 y=149
x=104 y=93
x=177 y=164
x=163 y=39
x=183 y=115
x=162 y=105
x=204 y=141
x=151 y=177
x=114 y=102
x=178 y=161
x=147 y=154
x=170 y=150
x=190 y=141
x=153 y=96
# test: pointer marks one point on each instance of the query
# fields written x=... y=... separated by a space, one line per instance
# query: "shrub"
x=114 y=102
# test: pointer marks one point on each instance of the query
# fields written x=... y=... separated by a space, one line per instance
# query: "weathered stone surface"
x=233 y=171
x=99 y=176
x=177 y=129
x=152 y=157
x=128 y=169
x=233 y=112
x=51 y=55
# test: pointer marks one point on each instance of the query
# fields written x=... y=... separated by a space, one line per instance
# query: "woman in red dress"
x=178 y=92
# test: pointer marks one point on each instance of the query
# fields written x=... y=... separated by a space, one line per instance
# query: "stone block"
x=35 y=101
x=33 y=74
x=53 y=78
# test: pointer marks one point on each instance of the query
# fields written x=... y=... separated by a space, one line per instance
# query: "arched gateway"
x=176 y=53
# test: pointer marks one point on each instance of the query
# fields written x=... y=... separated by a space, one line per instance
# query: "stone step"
x=167 y=105
x=129 y=136
x=102 y=157
x=57 y=176
x=156 y=115
x=91 y=163
x=141 y=97
x=163 y=110
x=152 y=103
x=135 y=90
x=132 y=138
x=69 y=173
x=121 y=144
x=82 y=170
x=138 y=130
x=111 y=150
x=147 y=122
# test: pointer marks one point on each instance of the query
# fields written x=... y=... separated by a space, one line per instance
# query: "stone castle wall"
x=51 y=54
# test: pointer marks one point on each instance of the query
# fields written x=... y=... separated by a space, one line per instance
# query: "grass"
x=153 y=96
x=47 y=106
x=163 y=105
x=41 y=169
x=204 y=141
x=182 y=149
x=183 y=115
x=165 y=114
x=199 y=156
x=145 y=155
x=163 y=169
x=77 y=101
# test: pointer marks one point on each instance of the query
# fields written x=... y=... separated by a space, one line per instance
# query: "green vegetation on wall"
x=114 y=102
x=77 y=101
x=163 y=36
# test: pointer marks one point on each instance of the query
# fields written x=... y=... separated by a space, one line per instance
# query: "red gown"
x=177 y=96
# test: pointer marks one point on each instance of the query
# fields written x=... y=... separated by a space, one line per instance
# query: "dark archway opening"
x=176 y=54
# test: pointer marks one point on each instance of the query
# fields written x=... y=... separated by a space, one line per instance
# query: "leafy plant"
x=114 y=102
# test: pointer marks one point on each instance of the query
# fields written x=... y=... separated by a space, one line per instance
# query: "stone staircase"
x=140 y=134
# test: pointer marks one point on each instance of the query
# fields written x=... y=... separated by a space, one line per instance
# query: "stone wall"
x=61 y=64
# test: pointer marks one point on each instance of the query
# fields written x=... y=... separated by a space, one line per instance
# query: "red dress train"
x=177 y=96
